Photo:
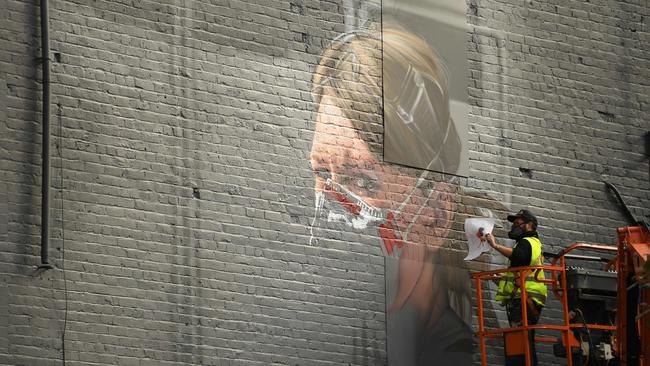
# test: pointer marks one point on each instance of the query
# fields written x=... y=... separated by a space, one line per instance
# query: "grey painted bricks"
x=183 y=194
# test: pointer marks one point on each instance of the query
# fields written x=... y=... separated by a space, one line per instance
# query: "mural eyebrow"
x=323 y=172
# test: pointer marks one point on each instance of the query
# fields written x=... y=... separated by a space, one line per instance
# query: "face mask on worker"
x=517 y=231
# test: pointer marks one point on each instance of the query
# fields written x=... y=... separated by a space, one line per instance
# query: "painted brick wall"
x=183 y=193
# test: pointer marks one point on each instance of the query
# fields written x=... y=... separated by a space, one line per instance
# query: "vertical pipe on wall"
x=45 y=184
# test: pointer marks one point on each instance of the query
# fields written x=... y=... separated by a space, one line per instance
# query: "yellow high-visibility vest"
x=535 y=291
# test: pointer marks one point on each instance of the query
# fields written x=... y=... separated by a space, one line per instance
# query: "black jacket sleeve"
x=521 y=254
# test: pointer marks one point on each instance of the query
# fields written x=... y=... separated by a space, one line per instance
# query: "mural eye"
x=365 y=183
x=362 y=183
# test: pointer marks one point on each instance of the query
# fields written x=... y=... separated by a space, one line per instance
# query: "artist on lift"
x=527 y=251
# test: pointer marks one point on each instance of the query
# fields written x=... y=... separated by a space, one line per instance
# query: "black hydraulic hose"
x=45 y=183
x=626 y=210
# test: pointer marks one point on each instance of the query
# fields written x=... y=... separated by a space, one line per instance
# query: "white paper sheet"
x=474 y=244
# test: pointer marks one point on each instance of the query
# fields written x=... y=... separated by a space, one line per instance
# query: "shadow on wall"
x=26 y=153
x=186 y=277
x=366 y=356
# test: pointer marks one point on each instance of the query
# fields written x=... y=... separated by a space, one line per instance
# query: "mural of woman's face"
x=343 y=161
x=340 y=157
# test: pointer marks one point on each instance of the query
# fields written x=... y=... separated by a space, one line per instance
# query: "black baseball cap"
x=524 y=214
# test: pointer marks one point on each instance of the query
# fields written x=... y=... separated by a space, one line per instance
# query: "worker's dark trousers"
x=513 y=309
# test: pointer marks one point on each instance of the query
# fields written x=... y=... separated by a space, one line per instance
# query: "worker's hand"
x=490 y=239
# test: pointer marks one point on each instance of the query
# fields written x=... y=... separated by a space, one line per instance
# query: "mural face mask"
x=337 y=204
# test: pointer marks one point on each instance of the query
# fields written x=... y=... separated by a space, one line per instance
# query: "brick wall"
x=182 y=188
x=559 y=97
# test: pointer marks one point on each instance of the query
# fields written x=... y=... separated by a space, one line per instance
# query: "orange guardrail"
x=558 y=283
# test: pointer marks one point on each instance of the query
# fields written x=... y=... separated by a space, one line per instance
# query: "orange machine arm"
x=633 y=253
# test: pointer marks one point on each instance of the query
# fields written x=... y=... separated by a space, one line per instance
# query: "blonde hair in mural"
x=349 y=71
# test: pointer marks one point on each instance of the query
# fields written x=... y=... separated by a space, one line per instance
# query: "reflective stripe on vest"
x=534 y=290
